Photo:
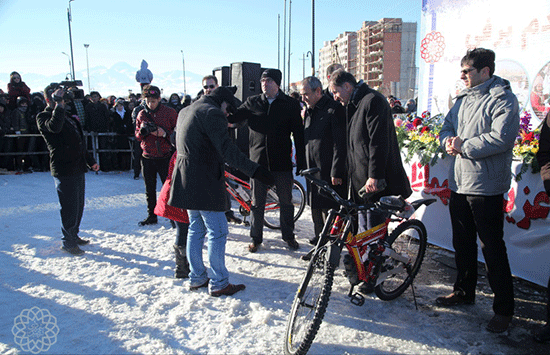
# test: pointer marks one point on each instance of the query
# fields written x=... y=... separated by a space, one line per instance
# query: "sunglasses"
x=466 y=71
x=209 y=86
x=151 y=93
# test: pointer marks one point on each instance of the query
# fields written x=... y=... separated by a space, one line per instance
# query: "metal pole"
x=184 y=81
x=312 y=37
x=279 y=41
x=69 y=58
x=303 y=65
x=69 y=17
x=88 y=67
x=289 y=26
x=284 y=49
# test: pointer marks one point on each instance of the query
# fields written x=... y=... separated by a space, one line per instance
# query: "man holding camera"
x=154 y=125
x=69 y=160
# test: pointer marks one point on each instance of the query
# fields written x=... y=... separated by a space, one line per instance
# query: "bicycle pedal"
x=357 y=299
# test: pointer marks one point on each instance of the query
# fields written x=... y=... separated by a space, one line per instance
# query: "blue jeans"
x=70 y=190
x=214 y=225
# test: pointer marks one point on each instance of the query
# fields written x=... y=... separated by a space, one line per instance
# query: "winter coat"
x=486 y=118
x=163 y=209
x=144 y=75
x=16 y=90
x=65 y=140
x=20 y=121
x=97 y=117
x=153 y=146
x=270 y=128
x=373 y=151
x=203 y=145
x=325 y=137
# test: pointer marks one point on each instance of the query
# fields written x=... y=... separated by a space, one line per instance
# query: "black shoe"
x=149 y=220
x=499 y=323
x=195 y=288
x=542 y=335
x=253 y=247
x=307 y=257
x=366 y=288
x=228 y=290
x=81 y=241
x=182 y=264
x=231 y=218
x=313 y=241
x=172 y=223
x=454 y=299
x=136 y=177
x=293 y=244
x=73 y=250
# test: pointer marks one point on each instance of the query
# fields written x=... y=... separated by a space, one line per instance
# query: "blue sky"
x=210 y=33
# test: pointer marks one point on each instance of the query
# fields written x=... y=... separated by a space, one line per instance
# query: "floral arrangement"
x=420 y=137
x=527 y=146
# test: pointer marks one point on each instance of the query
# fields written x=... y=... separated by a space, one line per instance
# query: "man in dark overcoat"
x=325 y=138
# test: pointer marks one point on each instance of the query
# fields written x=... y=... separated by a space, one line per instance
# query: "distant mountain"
x=117 y=80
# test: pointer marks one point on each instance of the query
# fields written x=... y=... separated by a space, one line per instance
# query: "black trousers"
x=472 y=216
x=150 y=168
x=319 y=216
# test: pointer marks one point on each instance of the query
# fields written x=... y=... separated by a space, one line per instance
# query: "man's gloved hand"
x=264 y=176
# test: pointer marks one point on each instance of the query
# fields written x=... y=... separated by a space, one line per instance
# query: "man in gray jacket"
x=479 y=132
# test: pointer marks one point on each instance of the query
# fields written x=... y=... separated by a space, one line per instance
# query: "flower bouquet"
x=527 y=146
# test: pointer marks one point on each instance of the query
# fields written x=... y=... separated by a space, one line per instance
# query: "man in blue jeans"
x=198 y=185
x=69 y=160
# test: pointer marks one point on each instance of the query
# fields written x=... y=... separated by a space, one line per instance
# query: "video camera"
x=70 y=89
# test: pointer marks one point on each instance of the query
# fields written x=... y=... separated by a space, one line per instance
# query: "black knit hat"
x=223 y=93
x=274 y=74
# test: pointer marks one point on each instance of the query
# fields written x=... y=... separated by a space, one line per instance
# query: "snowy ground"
x=120 y=297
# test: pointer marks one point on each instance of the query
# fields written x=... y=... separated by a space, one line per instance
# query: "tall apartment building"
x=342 y=50
x=384 y=56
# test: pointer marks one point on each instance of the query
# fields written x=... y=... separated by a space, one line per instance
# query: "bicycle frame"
x=272 y=203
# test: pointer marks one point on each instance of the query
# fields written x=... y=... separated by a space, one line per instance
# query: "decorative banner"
x=526 y=227
x=519 y=37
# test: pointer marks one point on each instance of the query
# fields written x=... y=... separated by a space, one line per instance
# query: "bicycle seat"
x=395 y=203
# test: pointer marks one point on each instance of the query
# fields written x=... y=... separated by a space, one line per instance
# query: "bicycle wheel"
x=272 y=208
x=310 y=305
x=409 y=239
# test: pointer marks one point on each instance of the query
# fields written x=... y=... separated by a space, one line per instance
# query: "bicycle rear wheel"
x=409 y=239
x=272 y=208
x=310 y=305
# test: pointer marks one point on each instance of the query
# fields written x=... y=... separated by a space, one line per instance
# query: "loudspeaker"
x=246 y=77
x=223 y=74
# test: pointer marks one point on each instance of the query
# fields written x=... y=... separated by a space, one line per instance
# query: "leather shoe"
x=499 y=323
x=313 y=241
x=195 y=288
x=231 y=218
x=366 y=288
x=253 y=247
x=542 y=335
x=454 y=299
x=149 y=220
x=73 y=250
x=293 y=244
x=81 y=241
x=228 y=290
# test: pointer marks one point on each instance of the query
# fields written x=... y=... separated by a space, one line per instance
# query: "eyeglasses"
x=466 y=71
x=209 y=87
x=150 y=93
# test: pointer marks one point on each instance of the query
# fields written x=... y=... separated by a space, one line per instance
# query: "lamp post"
x=69 y=18
x=310 y=54
x=88 y=67
x=68 y=57
x=312 y=37
x=184 y=84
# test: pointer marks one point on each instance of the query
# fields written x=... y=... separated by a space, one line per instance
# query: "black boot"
x=182 y=265
x=152 y=219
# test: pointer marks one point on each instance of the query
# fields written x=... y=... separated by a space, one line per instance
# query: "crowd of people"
x=346 y=130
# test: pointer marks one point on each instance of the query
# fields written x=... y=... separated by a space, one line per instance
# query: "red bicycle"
x=240 y=190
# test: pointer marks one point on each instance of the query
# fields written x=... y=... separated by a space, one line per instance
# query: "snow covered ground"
x=120 y=297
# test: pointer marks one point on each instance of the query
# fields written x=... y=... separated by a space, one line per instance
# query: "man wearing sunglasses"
x=154 y=125
x=479 y=132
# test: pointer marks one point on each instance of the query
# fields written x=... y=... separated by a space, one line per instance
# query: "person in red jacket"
x=180 y=217
x=154 y=125
x=17 y=88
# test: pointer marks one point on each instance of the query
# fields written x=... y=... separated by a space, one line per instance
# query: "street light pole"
x=184 y=84
x=68 y=57
x=312 y=37
x=88 y=67
x=310 y=54
x=69 y=17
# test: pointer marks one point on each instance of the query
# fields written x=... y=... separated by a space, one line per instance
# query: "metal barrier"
x=87 y=135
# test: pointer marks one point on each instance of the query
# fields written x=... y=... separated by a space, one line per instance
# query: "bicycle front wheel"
x=272 y=207
x=409 y=239
x=310 y=305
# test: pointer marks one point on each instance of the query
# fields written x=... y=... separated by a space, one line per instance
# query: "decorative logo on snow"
x=35 y=330
x=432 y=47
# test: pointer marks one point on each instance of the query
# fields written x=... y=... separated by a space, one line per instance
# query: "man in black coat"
x=325 y=138
x=198 y=185
x=373 y=155
x=272 y=118
x=69 y=160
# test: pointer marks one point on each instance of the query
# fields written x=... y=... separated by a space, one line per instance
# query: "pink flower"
x=398 y=122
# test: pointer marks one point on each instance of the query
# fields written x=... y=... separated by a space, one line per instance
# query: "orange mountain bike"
x=388 y=262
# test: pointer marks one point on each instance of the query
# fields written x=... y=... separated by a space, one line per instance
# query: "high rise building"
x=384 y=56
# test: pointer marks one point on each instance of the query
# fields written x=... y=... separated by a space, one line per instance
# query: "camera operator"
x=69 y=160
x=154 y=125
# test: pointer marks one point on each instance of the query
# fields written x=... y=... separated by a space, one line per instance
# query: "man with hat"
x=198 y=185
x=154 y=125
x=272 y=118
